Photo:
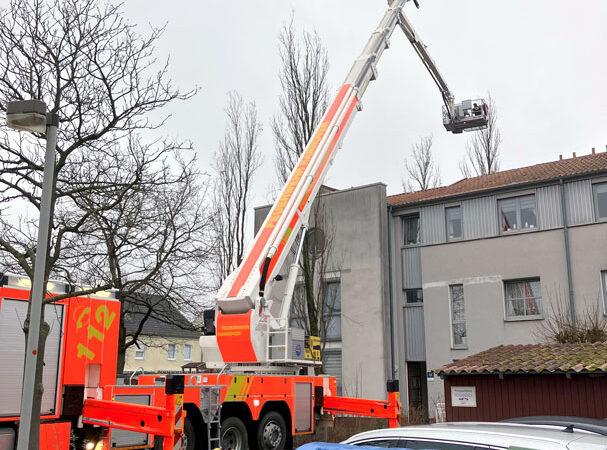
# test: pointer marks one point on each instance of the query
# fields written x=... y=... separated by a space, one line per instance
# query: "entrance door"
x=417 y=389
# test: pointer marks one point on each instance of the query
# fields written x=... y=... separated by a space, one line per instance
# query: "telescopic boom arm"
x=244 y=301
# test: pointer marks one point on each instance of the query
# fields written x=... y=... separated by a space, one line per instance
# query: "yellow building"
x=167 y=340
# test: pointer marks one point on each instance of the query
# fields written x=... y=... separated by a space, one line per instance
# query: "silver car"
x=480 y=436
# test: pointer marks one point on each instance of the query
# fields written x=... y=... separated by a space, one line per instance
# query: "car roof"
x=598 y=426
x=491 y=433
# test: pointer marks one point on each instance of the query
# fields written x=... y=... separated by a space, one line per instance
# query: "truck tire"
x=271 y=432
x=233 y=434
x=188 y=441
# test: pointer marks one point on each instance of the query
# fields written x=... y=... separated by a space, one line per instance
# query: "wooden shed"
x=527 y=380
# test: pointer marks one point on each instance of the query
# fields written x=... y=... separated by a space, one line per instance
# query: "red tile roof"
x=540 y=172
x=534 y=359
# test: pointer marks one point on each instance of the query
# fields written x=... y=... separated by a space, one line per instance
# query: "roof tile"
x=533 y=358
x=540 y=172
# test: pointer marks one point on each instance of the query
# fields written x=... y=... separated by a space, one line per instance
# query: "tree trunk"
x=121 y=361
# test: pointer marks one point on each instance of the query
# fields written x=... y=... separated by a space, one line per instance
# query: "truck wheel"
x=233 y=434
x=188 y=441
x=271 y=432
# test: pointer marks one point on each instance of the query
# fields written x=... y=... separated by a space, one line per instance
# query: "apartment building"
x=490 y=260
x=430 y=277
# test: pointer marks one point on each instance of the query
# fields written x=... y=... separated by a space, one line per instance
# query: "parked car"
x=480 y=436
x=598 y=426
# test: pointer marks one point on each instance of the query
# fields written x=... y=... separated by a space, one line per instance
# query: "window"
x=332 y=310
x=331 y=364
x=414 y=296
x=600 y=200
x=453 y=216
x=458 y=315
x=171 y=352
x=604 y=286
x=187 y=352
x=518 y=213
x=438 y=445
x=523 y=298
x=411 y=230
x=140 y=350
x=298 y=308
x=382 y=443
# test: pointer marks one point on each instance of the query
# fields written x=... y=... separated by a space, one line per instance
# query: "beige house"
x=167 y=340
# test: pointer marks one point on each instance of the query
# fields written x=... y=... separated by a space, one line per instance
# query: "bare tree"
x=559 y=325
x=235 y=165
x=304 y=99
x=303 y=77
x=482 y=150
x=153 y=244
x=422 y=173
x=317 y=301
x=100 y=75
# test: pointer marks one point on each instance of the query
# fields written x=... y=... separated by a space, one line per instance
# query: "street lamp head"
x=27 y=115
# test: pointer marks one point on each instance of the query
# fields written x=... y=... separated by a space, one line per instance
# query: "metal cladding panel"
x=578 y=195
x=549 y=207
x=433 y=224
x=415 y=341
x=412 y=268
x=303 y=413
x=12 y=315
x=125 y=438
x=479 y=217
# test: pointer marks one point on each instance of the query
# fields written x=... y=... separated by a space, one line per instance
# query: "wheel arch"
x=195 y=417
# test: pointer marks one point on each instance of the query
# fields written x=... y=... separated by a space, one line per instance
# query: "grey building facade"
x=490 y=260
x=357 y=349
x=431 y=277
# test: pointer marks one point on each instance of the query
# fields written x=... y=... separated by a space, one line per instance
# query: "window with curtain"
x=187 y=352
x=453 y=216
x=517 y=213
x=523 y=298
x=171 y=352
x=411 y=230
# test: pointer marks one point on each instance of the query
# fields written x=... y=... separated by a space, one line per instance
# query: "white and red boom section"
x=241 y=300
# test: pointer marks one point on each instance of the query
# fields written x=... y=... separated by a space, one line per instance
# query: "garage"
x=527 y=380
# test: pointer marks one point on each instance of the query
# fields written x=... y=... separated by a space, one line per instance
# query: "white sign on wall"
x=463 y=396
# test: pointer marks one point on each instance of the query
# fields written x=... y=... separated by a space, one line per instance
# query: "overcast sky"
x=543 y=61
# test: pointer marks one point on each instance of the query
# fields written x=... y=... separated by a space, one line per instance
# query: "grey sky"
x=543 y=61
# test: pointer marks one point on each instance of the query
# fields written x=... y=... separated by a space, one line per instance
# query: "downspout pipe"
x=567 y=252
x=392 y=370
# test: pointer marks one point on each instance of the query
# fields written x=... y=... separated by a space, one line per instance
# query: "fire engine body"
x=255 y=393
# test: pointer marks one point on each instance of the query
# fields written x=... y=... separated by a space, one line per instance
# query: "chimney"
x=593 y=151
x=561 y=156
x=574 y=154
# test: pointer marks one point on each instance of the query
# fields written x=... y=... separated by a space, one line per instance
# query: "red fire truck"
x=259 y=390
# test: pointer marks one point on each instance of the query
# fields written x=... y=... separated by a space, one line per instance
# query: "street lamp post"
x=31 y=115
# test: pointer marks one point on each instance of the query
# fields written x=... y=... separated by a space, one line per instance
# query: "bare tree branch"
x=235 y=165
x=304 y=99
x=483 y=148
x=422 y=173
